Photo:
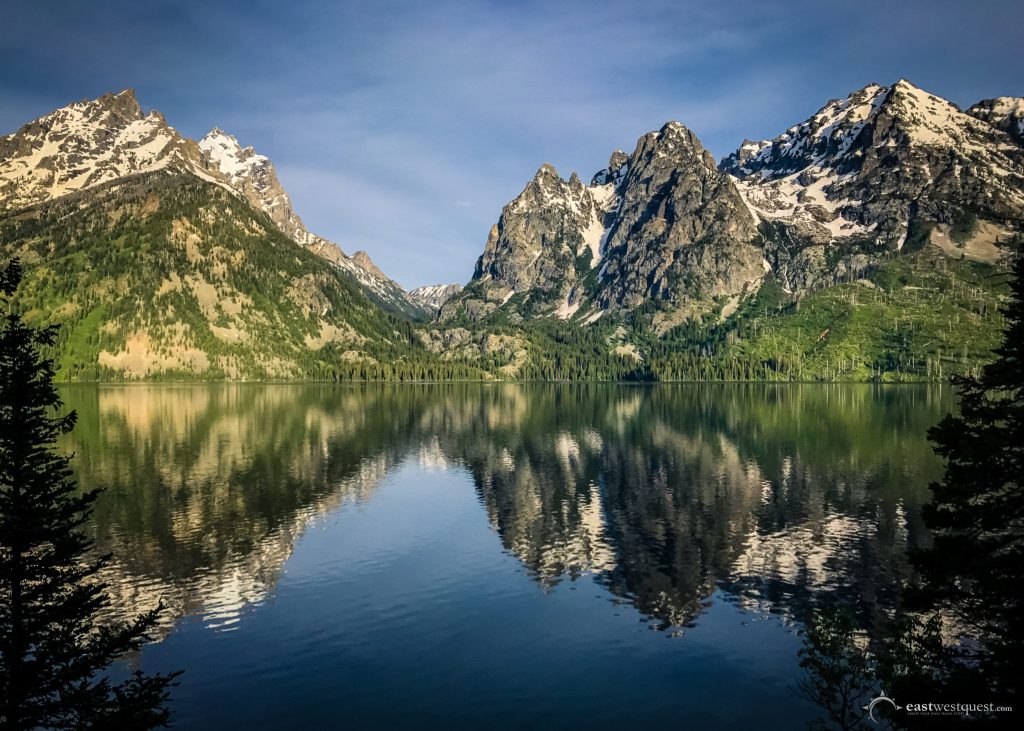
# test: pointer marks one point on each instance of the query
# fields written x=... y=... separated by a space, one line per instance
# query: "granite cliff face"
x=545 y=243
x=660 y=225
x=681 y=234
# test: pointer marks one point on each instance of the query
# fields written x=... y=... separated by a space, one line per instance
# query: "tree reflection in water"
x=779 y=496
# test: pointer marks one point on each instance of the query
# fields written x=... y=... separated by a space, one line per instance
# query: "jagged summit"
x=680 y=231
x=254 y=176
x=838 y=134
x=124 y=103
x=363 y=259
x=826 y=199
x=617 y=166
x=87 y=144
x=546 y=170
x=575 y=250
x=541 y=234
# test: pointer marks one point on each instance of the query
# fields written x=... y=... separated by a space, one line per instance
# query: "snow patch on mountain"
x=433 y=296
x=229 y=157
x=567 y=309
x=803 y=197
x=1005 y=113
x=87 y=144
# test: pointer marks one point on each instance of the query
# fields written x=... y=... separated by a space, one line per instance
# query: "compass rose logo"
x=881 y=698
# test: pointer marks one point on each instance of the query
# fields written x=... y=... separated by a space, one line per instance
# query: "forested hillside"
x=166 y=276
x=920 y=316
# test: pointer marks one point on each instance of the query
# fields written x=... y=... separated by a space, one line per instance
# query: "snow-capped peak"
x=90 y=143
x=225 y=153
x=1004 y=112
x=861 y=164
x=87 y=144
x=831 y=131
x=837 y=134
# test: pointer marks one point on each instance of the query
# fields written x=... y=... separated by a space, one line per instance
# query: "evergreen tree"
x=976 y=565
x=54 y=646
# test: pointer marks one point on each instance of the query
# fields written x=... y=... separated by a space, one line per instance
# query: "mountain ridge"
x=92 y=142
x=832 y=196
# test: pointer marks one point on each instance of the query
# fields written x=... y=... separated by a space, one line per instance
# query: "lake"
x=476 y=556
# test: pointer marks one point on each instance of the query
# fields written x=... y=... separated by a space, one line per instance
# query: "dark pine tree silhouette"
x=55 y=647
x=838 y=674
x=976 y=565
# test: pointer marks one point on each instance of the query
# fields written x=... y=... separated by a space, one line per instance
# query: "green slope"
x=923 y=316
x=916 y=317
x=165 y=277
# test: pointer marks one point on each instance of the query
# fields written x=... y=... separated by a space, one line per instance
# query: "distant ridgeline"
x=868 y=242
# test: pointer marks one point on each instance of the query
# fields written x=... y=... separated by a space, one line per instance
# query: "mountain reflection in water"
x=778 y=496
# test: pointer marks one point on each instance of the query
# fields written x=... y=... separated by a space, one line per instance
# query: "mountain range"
x=866 y=242
x=827 y=199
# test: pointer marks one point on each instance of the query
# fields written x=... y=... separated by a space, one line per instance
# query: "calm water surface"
x=500 y=557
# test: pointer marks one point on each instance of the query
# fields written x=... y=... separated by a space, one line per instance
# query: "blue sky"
x=402 y=128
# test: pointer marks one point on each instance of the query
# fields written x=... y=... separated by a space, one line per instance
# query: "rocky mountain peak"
x=865 y=167
x=1005 y=113
x=363 y=259
x=673 y=143
x=922 y=119
x=254 y=177
x=124 y=104
x=434 y=296
x=90 y=143
x=662 y=223
x=546 y=170
x=616 y=170
x=547 y=239
x=228 y=156
x=87 y=144
x=681 y=231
